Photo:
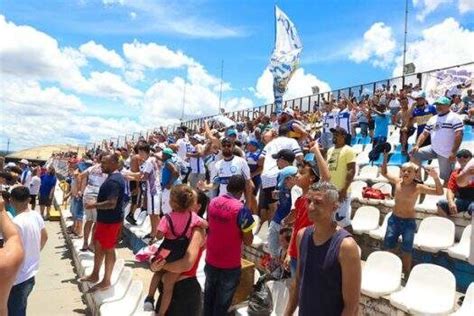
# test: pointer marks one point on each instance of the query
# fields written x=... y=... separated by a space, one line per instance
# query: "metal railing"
x=306 y=103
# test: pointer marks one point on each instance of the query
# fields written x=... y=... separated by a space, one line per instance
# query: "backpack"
x=371 y=193
x=176 y=246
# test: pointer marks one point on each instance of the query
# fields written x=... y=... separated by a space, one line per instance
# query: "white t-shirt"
x=35 y=185
x=329 y=121
x=224 y=169
x=26 y=177
x=242 y=137
x=95 y=178
x=442 y=130
x=270 y=170
x=394 y=104
x=183 y=148
x=29 y=225
x=150 y=168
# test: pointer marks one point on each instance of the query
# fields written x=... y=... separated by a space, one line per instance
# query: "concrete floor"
x=56 y=291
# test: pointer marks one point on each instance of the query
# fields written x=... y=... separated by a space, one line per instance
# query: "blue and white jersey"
x=224 y=169
x=150 y=168
x=329 y=121
x=196 y=163
x=252 y=160
x=344 y=120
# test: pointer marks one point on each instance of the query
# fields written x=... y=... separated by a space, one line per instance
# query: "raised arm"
x=383 y=170
x=322 y=164
x=438 y=190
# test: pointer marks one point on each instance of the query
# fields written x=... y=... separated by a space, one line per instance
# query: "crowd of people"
x=202 y=190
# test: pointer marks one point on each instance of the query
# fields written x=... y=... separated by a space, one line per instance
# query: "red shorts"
x=107 y=234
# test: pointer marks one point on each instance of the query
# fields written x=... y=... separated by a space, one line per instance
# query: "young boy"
x=402 y=222
x=286 y=181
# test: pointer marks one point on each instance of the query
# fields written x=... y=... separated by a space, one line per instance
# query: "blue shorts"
x=397 y=227
x=462 y=205
x=77 y=209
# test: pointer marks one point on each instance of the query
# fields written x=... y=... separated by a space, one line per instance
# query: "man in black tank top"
x=328 y=275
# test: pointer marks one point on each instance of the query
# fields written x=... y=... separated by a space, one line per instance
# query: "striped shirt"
x=442 y=128
x=344 y=120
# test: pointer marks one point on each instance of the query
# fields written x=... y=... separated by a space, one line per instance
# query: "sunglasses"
x=463 y=156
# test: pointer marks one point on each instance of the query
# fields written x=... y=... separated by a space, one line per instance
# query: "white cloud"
x=299 y=85
x=441 y=45
x=236 y=104
x=465 y=6
x=112 y=2
x=133 y=15
x=29 y=54
x=134 y=75
x=427 y=7
x=109 y=57
x=378 y=46
x=155 y=56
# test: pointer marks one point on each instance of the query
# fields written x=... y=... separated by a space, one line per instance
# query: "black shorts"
x=265 y=198
x=32 y=198
x=371 y=125
x=45 y=200
x=186 y=299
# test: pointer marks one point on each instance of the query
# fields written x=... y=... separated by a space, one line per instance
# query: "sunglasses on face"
x=463 y=156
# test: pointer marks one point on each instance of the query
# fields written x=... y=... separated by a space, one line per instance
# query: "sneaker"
x=149 y=304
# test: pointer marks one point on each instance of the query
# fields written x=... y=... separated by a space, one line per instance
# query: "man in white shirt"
x=196 y=161
x=34 y=187
x=25 y=177
x=34 y=236
x=270 y=169
x=446 y=131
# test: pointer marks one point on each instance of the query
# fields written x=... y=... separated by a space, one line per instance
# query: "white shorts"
x=90 y=214
x=165 y=201
x=153 y=204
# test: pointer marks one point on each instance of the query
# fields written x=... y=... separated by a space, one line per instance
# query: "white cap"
x=24 y=161
x=288 y=111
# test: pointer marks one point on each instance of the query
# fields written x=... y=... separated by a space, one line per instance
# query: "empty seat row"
x=434 y=233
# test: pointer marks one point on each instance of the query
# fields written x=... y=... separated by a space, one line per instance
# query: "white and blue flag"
x=285 y=57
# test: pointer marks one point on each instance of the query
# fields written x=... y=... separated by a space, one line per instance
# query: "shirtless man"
x=405 y=119
x=403 y=219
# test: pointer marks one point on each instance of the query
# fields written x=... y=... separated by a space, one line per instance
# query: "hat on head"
x=24 y=161
x=285 y=173
x=197 y=137
x=10 y=164
x=285 y=154
x=464 y=152
x=288 y=111
x=338 y=130
x=231 y=132
x=168 y=151
x=226 y=140
x=443 y=101
x=253 y=143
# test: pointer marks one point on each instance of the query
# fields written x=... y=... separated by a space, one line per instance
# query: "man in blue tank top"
x=328 y=275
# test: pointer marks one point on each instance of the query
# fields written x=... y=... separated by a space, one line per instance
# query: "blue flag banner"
x=285 y=57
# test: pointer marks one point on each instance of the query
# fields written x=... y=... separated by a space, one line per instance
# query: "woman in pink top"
x=177 y=228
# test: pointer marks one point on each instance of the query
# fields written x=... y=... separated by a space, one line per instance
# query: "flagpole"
x=220 y=89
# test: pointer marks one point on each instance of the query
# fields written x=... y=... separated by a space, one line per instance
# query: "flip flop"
x=95 y=288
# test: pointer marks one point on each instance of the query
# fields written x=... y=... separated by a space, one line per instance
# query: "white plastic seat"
x=461 y=249
x=363 y=158
x=356 y=189
x=429 y=203
x=381 y=274
x=430 y=290
x=117 y=291
x=127 y=305
x=358 y=148
x=435 y=234
x=379 y=233
x=368 y=173
x=366 y=218
x=467 y=307
x=117 y=270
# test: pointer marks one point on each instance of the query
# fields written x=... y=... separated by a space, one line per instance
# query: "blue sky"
x=114 y=66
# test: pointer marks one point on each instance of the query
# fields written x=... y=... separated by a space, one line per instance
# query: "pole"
x=220 y=89
x=184 y=99
x=405 y=43
x=8 y=145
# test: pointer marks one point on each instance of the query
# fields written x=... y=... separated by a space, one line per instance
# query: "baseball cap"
x=443 y=101
x=288 y=111
x=464 y=153
x=285 y=154
x=24 y=161
x=285 y=173
x=226 y=140
x=253 y=143
x=338 y=130
x=168 y=151
x=231 y=132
